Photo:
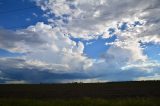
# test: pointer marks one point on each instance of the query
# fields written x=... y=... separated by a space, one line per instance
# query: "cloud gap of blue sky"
x=152 y=50
x=96 y=48
x=5 y=53
x=21 y=15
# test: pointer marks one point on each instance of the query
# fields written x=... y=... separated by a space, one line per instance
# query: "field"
x=143 y=93
x=81 y=102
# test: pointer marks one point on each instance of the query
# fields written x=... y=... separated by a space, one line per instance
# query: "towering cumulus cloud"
x=55 y=51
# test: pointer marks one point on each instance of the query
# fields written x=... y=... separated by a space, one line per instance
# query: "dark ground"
x=112 y=90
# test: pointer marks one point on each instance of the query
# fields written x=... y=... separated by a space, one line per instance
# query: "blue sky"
x=21 y=15
x=66 y=41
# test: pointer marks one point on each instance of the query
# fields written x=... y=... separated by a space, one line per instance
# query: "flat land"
x=140 y=93
x=82 y=90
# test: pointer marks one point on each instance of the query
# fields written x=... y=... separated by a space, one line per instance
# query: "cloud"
x=15 y=70
x=93 y=17
x=153 y=77
x=22 y=63
x=51 y=55
x=20 y=70
x=51 y=52
x=59 y=49
x=16 y=82
x=18 y=41
x=43 y=43
x=143 y=66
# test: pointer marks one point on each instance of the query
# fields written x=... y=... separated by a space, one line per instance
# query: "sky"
x=61 y=41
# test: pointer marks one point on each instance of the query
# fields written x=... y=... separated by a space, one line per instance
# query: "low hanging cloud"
x=52 y=56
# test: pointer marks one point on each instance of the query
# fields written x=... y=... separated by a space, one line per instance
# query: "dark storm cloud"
x=12 y=69
x=36 y=76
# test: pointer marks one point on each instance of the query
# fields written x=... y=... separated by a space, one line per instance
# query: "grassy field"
x=82 y=102
x=144 y=93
